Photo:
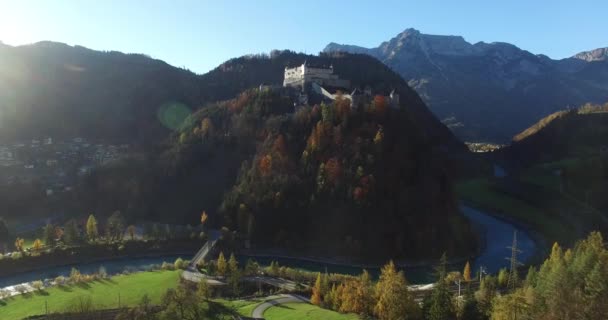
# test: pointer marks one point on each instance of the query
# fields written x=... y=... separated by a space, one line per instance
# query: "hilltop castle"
x=302 y=76
x=322 y=83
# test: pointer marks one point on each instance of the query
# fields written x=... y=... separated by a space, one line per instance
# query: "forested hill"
x=52 y=89
x=328 y=179
x=576 y=133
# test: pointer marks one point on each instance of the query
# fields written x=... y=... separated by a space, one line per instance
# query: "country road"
x=258 y=312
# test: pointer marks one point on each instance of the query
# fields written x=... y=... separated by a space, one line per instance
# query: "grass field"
x=242 y=307
x=104 y=294
x=304 y=311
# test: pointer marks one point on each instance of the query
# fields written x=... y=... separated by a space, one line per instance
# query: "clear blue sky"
x=201 y=34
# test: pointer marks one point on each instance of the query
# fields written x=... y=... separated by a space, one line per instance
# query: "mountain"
x=489 y=91
x=52 y=89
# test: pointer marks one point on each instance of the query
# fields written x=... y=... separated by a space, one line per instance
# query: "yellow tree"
x=392 y=298
x=92 y=231
x=466 y=273
x=204 y=217
x=19 y=244
x=37 y=245
x=233 y=265
x=316 y=297
x=222 y=265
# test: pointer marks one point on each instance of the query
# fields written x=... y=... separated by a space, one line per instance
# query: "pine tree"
x=71 y=234
x=222 y=266
x=316 y=297
x=49 y=234
x=92 y=232
x=441 y=299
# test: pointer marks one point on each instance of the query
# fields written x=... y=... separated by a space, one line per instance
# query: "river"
x=497 y=233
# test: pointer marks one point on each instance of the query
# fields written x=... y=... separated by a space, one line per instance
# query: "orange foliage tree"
x=333 y=168
x=265 y=165
x=379 y=104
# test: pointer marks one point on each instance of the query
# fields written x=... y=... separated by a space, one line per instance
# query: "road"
x=258 y=312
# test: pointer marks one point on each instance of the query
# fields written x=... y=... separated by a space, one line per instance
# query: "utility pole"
x=482 y=271
x=513 y=276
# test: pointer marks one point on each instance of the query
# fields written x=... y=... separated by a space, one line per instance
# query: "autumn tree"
x=206 y=128
x=203 y=290
x=265 y=165
x=19 y=244
x=222 y=265
x=204 y=217
x=379 y=104
x=466 y=273
x=317 y=294
x=379 y=137
x=92 y=232
x=393 y=300
x=333 y=169
x=37 y=245
x=233 y=265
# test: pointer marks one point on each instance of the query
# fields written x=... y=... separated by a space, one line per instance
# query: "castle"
x=301 y=76
x=321 y=82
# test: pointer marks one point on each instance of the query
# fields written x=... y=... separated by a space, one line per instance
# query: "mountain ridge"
x=492 y=90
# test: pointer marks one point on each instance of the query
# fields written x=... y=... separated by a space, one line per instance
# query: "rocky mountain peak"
x=600 y=54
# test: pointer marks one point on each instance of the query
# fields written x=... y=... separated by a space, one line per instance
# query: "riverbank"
x=87 y=254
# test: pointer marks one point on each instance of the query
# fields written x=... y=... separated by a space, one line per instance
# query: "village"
x=54 y=165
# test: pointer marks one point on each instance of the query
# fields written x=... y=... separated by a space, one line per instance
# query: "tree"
x=203 y=290
x=4 y=234
x=58 y=233
x=379 y=104
x=206 y=128
x=466 y=273
x=503 y=277
x=19 y=243
x=222 y=266
x=204 y=217
x=115 y=226
x=393 y=301
x=233 y=265
x=441 y=299
x=49 y=234
x=265 y=165
x=92 y=232
x=131 y=231
x=333 y=170
x=37 y=245
x=71 y=234
x=317 y=295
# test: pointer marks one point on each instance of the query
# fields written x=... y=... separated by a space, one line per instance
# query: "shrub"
x=75 y=275
x=180 y=264
x=167 y=266
x=4 y=293
x=21 y=289
x=37 y=285
x=59 y=281
x=102 y=272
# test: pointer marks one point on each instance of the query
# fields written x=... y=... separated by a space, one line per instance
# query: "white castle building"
x=301 y=76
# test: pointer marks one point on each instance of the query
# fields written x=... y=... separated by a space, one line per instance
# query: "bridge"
x=191 y=273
